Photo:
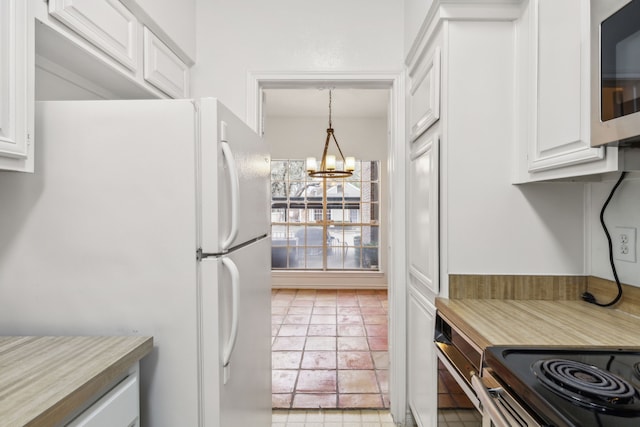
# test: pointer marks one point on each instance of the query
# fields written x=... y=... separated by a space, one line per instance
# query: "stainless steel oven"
x=615 y=72
x=499 y=408
x=468 y=394
x=458 y=361
x=539 y=386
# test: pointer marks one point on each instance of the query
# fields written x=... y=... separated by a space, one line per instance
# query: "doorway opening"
x=329 y=346
x=324 y=282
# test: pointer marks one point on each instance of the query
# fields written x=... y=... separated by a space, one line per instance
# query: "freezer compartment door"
x=235 y=171
x=236 y=337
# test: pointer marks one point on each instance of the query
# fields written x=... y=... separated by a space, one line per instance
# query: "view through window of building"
x=324 y=223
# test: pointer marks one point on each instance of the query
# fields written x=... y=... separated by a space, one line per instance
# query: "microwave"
x=615 y=72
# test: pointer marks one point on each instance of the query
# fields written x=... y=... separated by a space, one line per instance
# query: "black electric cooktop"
x=572 y=387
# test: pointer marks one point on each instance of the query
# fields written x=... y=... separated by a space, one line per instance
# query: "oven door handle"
x=489 y=406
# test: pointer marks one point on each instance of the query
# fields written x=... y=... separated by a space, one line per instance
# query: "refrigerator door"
x=235 y=170
x=101 y=239
x=236 y=311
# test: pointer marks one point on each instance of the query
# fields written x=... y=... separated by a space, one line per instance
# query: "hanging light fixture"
x=328 y=162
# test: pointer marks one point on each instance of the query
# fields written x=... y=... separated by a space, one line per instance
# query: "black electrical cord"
x=587 y=296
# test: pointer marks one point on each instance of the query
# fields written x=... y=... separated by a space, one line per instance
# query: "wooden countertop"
x=43 y=380
x=540 y=322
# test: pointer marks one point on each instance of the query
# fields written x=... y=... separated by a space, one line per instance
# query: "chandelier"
x=328 y=162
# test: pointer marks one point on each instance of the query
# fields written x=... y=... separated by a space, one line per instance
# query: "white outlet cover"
x=627 y=234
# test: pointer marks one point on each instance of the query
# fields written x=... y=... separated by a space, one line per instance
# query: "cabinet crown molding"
x=462 y=10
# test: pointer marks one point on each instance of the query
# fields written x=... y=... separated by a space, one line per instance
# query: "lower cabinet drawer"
x=120 y=407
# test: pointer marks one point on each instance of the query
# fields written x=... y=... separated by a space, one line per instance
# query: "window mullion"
x=301 y=216
x=325 y=226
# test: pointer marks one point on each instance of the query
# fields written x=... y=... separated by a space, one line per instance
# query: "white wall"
x=301 y=137
x=624 y=211
x=491 y=226
x=237 y=37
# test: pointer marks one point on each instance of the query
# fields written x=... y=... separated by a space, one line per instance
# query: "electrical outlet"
x=624 y=244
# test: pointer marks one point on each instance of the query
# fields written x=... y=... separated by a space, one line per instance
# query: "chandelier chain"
x=325 y=170
x=329 y=108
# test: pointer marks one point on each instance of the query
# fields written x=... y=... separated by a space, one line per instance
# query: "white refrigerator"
x=149 y=217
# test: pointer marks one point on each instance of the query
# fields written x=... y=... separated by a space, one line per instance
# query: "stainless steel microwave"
x=615 y=72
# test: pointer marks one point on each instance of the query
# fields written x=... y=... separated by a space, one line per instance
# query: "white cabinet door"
x=423 y=241
x=16 y=85
x=424 y=92
x=163 y=68
x=553 y=66
x=172 y=21
x=105 y=23
x=422 y=360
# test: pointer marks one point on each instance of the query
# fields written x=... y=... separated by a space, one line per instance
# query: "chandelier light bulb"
x=350 y=164
x=312 y=164
x=331 y=163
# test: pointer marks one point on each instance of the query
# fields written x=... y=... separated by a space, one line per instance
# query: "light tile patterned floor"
x=459 y=418
x=331 y=418
x=329 y=349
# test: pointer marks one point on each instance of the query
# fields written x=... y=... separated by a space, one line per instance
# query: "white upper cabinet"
x=552 y=95
x=172 y=21
x=163 y=68
x=424 y=93
x=423 y=42
x=16 y=86
x=105 y=48
x=106 y=23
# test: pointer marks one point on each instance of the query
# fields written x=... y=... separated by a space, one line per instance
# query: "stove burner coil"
x=585 y=384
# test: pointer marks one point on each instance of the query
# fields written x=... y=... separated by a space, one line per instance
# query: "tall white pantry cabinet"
x=424 y=129
x=459 y=101
x=16 y=85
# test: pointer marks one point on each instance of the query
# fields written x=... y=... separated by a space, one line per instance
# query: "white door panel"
x=423 y=212
x=105 y=23
x=421 y=359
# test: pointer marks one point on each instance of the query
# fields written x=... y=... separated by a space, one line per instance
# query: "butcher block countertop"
x=44 y=380
x=540 y=322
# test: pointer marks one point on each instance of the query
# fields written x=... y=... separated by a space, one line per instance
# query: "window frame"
x=290 y=190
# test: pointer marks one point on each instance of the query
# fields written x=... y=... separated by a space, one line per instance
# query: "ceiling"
x=310 y=102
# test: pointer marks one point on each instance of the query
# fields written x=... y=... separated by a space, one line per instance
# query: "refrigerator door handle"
x=235 y=194
x=235 y=306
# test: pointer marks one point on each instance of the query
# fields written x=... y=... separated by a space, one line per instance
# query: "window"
x=319 y=224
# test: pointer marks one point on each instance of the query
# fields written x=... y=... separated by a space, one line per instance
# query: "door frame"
x=396 y=166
